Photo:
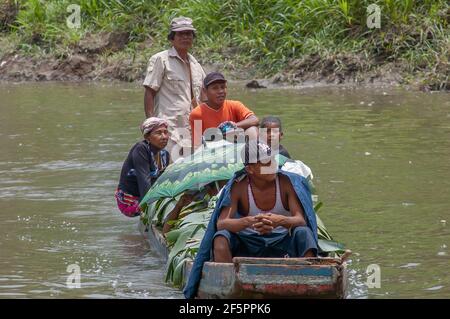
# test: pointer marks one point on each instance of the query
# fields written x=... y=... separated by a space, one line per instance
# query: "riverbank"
x=278 y=44
x=85 y=65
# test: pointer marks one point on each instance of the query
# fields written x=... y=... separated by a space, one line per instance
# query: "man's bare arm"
x=149 y=101
x=250 y=121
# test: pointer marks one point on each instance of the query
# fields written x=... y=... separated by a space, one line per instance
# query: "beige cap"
x=181 y=24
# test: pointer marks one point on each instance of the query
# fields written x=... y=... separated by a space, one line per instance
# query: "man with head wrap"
x=146 y=160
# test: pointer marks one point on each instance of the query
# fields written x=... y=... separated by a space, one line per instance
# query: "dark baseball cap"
x=213 y=77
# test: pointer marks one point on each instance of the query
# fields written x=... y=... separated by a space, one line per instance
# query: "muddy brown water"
x=380 y=158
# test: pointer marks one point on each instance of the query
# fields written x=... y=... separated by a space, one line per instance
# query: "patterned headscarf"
x=152 y=123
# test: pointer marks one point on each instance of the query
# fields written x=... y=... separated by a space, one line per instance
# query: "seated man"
x=273 y=132
x=146 y=160
x=265 y=218
x=219 y=112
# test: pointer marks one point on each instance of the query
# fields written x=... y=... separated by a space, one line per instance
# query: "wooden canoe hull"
x=264 y=277
x=273 y=278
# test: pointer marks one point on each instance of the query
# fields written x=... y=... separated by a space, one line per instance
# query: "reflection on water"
x=380 y=161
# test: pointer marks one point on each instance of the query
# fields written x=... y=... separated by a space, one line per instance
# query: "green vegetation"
x=185 y=237
x=266 y=36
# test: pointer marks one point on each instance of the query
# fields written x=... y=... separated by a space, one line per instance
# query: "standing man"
x=173 y=83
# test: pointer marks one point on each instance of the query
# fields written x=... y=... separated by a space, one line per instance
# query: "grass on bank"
x=265 y=34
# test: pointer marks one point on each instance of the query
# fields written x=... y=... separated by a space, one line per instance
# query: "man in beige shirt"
x=173 y=83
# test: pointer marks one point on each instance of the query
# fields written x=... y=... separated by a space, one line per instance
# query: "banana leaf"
x=173 y=235
x=165 y=211
x=330 y=246
x=177 y=277
x=217 y=161
x=197 y=218
x=156 y=208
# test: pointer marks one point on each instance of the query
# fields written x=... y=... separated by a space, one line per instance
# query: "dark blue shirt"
x=140 y=170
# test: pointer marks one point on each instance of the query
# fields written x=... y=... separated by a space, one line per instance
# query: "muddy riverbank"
x=106 y=56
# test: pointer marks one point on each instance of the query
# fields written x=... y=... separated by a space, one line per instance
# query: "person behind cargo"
x=265 y=217
x=273 y=132
x=188 y=197
x=220 y=113
x=146 y=160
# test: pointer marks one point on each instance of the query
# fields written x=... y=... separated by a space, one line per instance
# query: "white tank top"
x=278 y=208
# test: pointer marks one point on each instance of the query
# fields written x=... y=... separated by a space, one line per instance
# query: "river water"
x=381 y=161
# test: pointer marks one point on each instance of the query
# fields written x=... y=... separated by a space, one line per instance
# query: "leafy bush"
x=270 y=32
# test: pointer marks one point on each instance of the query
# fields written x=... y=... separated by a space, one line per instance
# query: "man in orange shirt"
x=220 y=113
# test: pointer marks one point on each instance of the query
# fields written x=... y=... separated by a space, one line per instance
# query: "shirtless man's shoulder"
x=285 y=183
x=239 y=193
x=239 y=186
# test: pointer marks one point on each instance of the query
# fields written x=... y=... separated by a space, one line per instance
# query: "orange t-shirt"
x=230 y=111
